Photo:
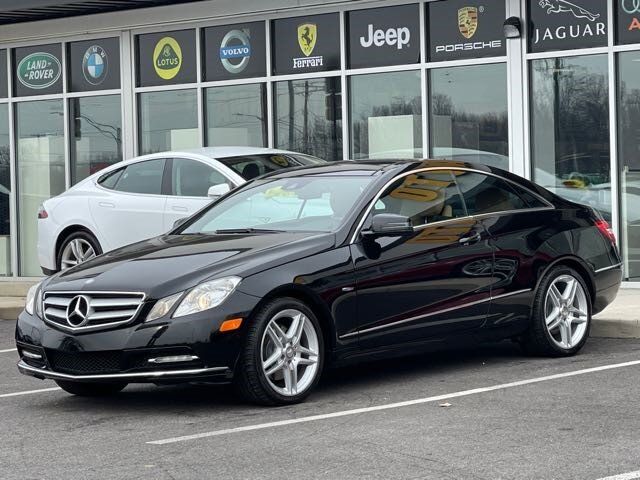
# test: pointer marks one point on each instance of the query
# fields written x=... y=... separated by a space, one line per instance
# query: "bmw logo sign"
x=95 y=65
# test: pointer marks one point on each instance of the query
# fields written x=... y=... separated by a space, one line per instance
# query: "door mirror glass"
x=389 y=224
x=217 y=191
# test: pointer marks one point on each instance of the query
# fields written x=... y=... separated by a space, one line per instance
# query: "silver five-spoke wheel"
x=290 y=352
x=566 y=311
x=75 y=252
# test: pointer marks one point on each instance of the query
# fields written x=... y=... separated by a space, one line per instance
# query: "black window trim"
x=367 y=211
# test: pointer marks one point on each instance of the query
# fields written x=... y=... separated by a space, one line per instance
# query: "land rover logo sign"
x=167 y=58
x=39 y=70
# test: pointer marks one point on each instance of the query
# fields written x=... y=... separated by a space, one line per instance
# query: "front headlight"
x=31 y=298
x=162 y=307
x=207 y=295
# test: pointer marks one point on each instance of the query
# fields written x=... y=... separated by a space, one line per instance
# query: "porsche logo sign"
x=468 y=21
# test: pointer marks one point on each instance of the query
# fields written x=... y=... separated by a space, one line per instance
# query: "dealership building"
x=548 y=89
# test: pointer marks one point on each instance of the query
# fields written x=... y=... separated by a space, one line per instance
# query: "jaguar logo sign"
x=559 y=6
x=39 y=70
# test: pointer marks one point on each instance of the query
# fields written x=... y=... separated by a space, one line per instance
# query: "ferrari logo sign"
x=468 y=21
x=307 y=36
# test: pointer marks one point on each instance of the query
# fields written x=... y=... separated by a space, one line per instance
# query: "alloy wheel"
x=290 y=352
x=75 y=252
x=566 y=311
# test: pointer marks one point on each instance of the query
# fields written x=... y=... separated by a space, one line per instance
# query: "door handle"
x=177 y=208
x=106 y=204
x=474 y=237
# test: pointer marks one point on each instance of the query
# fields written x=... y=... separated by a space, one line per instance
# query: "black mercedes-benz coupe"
x=324 y=265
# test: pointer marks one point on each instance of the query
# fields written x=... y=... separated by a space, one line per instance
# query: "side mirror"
x=389 y=224
x=179 y=222
x=216 y=191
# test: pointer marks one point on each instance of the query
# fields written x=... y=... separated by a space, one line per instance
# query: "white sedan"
x=143 y=197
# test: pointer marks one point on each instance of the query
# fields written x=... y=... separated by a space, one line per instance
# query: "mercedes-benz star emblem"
x=78 y=311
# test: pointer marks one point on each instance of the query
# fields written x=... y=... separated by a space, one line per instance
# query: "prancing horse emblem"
x=559 y=6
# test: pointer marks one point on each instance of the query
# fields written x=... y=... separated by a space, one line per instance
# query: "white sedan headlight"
x=207 y=295
x=31 y=298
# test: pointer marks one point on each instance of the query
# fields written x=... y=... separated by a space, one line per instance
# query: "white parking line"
x=29 y=392
x=624 y=476
x=389 y=406
x=9 y=350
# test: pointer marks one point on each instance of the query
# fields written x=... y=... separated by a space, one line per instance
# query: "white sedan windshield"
x=311 y=203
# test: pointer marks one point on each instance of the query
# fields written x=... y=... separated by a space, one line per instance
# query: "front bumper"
x=130 y=352
x=210 y=374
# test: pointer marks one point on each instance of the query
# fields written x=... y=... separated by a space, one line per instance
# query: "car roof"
x=374 y=166
x=224 y=152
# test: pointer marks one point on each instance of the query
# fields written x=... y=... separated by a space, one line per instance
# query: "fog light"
x=174 y=359
x=34 y=356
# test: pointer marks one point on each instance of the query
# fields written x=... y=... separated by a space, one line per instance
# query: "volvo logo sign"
x=78 y=311
x=235 y=51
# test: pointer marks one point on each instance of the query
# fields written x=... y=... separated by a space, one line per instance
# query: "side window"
x=190 y=178
x=487 y=194
x=531 y=200
x=110 y=179
x=142 y=177
x=425 y=197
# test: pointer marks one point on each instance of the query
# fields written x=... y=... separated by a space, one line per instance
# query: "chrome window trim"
x=438 y=312
x=91 y=327
x=22 y=366
x=360 y=223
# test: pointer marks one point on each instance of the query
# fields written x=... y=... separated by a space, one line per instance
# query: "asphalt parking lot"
x=506 y=419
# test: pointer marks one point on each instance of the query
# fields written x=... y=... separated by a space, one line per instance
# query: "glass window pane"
x=629 y=159
x=307 y=114
x=425 y=198
x=570 y=128
x=251 y=166
x=40 y=160
x=236 y=116
x=168 y=121
x=96 y=134
x=386 y=115
x=193 y=179
x=143 y=177
x=468 y=114
x=486 y=194
x=5 y=193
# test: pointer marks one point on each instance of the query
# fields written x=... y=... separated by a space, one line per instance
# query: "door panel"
x=427 y=285
x=432 y=283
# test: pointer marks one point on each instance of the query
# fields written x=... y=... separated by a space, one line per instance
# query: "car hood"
x=168 y=264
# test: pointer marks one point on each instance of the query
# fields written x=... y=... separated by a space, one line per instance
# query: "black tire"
x=250 y=379
x=538 y=340
x=80 y=234
x=91 y=389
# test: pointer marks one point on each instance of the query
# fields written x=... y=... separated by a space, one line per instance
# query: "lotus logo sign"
x=39 y=70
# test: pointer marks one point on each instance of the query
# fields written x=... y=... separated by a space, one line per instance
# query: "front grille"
x=83 y=363
x=97 y=309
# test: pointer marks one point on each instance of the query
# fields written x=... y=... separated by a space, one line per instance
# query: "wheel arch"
x=69 y=230
x=578 y=265
x=314 y=302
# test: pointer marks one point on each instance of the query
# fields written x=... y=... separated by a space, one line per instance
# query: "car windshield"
x=307 y=203
x=251 y=166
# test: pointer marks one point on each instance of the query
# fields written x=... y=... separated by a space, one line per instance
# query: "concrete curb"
x=10 y=307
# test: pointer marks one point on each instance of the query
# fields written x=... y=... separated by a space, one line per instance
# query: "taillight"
x=42 y=213
x=606 y=230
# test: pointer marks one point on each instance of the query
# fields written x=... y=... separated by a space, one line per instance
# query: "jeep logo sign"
x=384 y=36
x=399 y=37
x=39 y=70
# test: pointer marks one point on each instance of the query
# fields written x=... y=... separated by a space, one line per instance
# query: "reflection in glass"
x=40 y=163
x=307 y=114
x=386 y=115
x=629 y=159
x=468 y=114
x=96 y=134
x=168 y=121
x=236 y=116
x=570 y=128
x=5 y=193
